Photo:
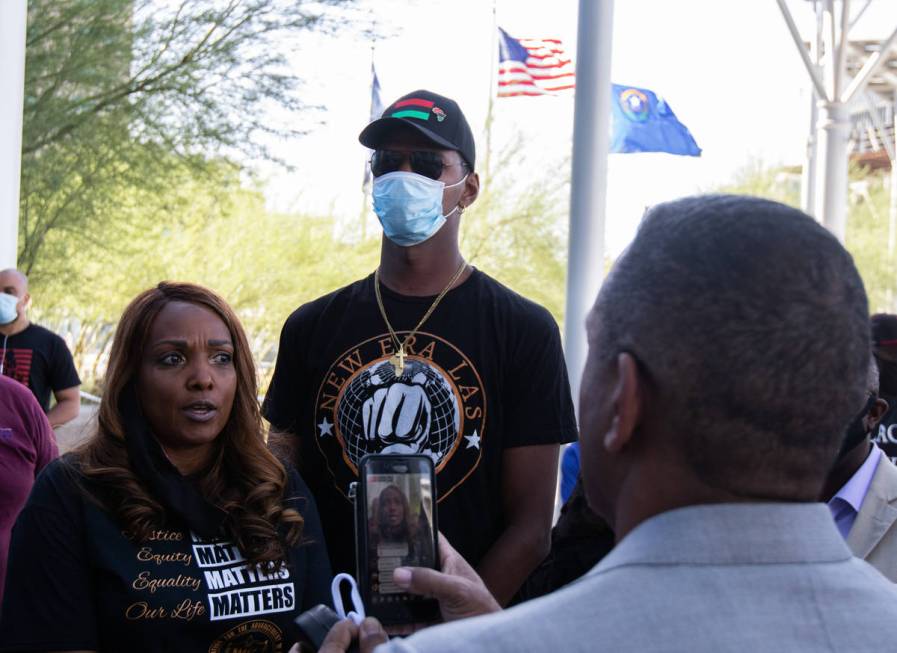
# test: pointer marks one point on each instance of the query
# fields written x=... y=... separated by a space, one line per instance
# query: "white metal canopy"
x=834 y=91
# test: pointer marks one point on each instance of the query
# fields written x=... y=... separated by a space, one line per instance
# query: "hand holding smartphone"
x=395 y=527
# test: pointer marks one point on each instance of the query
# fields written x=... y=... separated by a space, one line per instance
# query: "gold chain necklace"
x=397 y=360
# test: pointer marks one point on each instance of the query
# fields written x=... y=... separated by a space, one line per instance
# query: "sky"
x=728 y=68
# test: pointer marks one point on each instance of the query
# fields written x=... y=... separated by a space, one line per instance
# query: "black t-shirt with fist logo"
x=484 y=373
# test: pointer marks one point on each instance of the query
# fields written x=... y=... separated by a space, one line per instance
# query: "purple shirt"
x=849 y=499
x=27 y=444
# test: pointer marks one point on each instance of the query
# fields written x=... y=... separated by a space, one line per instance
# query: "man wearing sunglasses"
x=430 y=356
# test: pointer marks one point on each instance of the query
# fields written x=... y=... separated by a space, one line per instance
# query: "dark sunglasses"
x=426 y=163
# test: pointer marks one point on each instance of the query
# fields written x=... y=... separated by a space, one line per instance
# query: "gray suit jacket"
x=747 y=578
x=873 y=536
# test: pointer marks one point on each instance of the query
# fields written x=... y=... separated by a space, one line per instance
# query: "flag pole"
x=492 y=75
x=591 y=140
x=366 y=182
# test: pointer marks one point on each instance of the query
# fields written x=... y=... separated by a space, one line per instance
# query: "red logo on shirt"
x=18 y=365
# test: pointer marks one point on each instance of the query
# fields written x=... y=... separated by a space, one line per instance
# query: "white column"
x=809 y=174
x=13 y=19
x=831 y=182
x=591 y=139
x=834 y=127
x=892 y=214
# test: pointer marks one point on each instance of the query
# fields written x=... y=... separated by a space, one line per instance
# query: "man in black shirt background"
x=35 y=356
x=430 y=356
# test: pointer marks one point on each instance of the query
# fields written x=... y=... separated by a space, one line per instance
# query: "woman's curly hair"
x=244 y=478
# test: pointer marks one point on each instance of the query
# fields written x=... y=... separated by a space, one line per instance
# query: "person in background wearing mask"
x=861 y=489
x=428 y=355
x=884 y=340
x=35 y=356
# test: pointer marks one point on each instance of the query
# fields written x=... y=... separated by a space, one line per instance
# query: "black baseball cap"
x=884 y=330
x=435 y=116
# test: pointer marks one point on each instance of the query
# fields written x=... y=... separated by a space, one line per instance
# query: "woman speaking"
x=173 y=528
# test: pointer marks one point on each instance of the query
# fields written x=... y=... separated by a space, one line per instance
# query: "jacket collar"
x=878 y=512
x=732 y=534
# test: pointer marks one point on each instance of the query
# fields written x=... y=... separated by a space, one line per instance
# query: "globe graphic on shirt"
x=438 y=409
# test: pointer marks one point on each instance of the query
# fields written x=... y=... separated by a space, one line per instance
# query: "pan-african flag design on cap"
x=414 y=109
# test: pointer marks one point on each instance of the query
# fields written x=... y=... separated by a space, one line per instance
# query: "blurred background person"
x=884 y=343
x=861 y=489
x=35 y=356
x=27 y=445
x=579 y=540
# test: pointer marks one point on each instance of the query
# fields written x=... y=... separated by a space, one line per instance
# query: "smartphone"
x=395 y=527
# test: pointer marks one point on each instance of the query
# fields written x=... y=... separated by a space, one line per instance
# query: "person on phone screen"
x=35 y=356
x=400 y=534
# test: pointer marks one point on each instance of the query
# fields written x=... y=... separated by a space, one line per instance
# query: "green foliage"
x=759 y=180
x=114 y=88
x=867 y=240
x=214 y=231
x=867 y=222
x=518 y=233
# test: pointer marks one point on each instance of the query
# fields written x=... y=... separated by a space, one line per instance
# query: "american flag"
x=532 y=66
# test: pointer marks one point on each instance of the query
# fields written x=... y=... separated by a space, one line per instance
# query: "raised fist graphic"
x=398 y=415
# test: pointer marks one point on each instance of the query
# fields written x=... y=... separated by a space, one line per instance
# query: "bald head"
x=12 y=278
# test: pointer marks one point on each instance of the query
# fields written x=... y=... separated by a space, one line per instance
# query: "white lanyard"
x=356 y=615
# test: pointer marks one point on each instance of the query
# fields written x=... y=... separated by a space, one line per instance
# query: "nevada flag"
x=643 y=122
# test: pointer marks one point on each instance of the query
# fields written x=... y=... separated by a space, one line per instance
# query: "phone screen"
x=399 y=524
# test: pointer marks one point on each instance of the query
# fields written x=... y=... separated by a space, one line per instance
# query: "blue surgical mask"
x=409 y=206
x=8 y=312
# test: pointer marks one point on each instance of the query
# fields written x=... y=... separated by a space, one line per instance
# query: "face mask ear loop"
x=458 y=207
x=461 y=181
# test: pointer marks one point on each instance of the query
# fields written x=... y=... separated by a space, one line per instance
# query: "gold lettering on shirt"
x=146 y=554
x=188 y=609
x=165 y=536
x=142 y=610
x=145 y=581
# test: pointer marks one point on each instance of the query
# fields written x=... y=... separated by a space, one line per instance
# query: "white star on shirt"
x=326 y=427
x=473 y=441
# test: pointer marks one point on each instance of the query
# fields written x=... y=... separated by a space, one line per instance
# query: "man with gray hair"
x=34 y=356
x=709 y=418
